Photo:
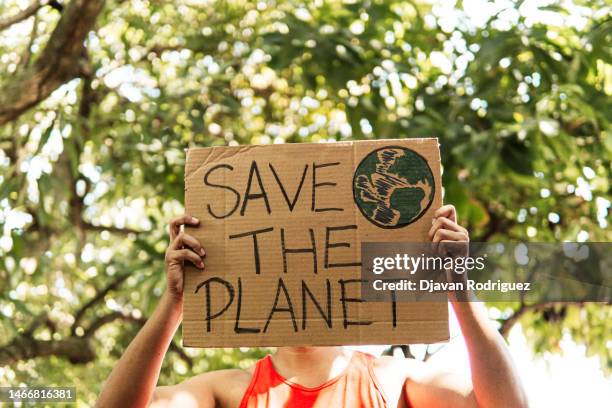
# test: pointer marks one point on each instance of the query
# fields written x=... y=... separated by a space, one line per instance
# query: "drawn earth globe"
x=393 y=186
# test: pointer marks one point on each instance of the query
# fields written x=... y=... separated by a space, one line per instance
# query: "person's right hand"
x=183 y=247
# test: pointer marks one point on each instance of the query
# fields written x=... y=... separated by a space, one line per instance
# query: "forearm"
x=135 y=376
x=494 y=377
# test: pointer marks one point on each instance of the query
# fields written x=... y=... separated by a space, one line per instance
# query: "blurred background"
x=100 y=99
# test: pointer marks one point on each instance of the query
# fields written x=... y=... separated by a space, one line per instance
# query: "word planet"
x=393 y=187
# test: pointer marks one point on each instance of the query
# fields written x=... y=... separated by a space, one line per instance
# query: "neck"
x=309 y=353
x=310 y=366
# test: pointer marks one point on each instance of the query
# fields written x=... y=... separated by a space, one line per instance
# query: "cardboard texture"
x=269 y=287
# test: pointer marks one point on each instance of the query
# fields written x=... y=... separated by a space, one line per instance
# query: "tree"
x=99 y=99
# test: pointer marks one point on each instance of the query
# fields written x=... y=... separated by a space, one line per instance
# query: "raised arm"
x=495 y=381
x=133 y=380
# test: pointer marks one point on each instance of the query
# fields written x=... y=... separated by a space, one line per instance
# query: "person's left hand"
x=450 y=239
x=445 y=230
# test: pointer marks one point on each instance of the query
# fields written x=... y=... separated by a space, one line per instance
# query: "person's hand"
x=449 y=237
x=183 y=247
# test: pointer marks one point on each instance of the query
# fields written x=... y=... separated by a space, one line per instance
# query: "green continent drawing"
x=393 y=186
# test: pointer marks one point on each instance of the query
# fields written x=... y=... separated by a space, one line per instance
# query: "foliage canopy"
x=92 y=153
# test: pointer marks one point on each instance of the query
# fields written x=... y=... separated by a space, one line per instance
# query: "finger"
x=444 y=223
x=183 y=240
x=192 y=243
x=181 y=255
x=447 y=211
x=177 y=242
x=443 y=234
x=176 y=223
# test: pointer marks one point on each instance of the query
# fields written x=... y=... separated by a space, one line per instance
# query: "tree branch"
x=496 y=225
x=58 y=62
x=97 y=298
x=75 y=349
x=110 y=317
x=181 y=353
x=405 y=348
x=507 y=324
x=27 y=54
x=115 y=230
x=42 y=319
x=22 y=15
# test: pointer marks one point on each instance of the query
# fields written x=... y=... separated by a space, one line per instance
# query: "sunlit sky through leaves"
x=171 y=76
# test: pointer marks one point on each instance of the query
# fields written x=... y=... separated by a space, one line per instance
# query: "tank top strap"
x=259 y=380
x=358 y=379
x=363 y=365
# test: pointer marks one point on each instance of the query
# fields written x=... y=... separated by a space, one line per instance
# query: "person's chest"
x=231 y=394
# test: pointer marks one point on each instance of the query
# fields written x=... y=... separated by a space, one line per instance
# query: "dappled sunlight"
x=181 y=399
x=94 y=128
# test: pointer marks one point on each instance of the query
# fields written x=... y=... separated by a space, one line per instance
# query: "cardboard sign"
x=282 y=226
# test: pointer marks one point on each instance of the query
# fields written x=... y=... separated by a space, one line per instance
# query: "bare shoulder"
x=405 y=368
x=392 y=374
x=232 y=376
x=223 y=388
x=228 y=386
x=407 y=379
x=409 y=369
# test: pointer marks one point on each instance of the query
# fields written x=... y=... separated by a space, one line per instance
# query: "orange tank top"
x=356 y=387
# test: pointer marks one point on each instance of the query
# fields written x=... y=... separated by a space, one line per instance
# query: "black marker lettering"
x=312 y=249
x=315 y=185
x=236 y=193
x=254 y=196
x=255 y=244
x=237 y=328
x=230 y=290
x=328 y=246
x=290 y=204
x=327 y=317
x=275 y=308
x=346 y=300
